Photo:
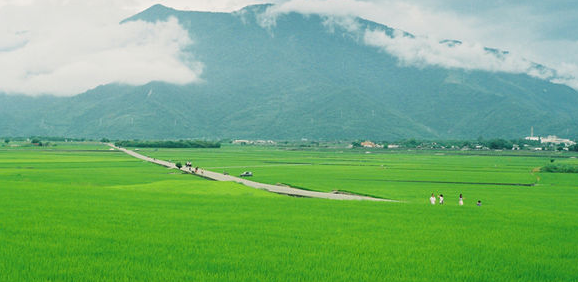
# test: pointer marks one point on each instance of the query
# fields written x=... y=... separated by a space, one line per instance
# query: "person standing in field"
x=432 y=199
x=461 y=201
x=479 y=203
x=441 y=199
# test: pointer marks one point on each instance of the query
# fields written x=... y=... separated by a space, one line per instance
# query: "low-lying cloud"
x=65 y=47
x=421 y=50
x=72 y=51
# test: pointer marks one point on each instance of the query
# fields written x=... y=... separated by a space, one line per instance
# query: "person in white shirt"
x=441 y=199
x=432 y=199
x=461 y=201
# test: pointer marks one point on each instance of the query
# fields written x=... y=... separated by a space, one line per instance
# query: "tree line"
x=480 y=143
x=169 y=144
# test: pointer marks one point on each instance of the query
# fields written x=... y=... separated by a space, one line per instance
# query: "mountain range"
x=299 y=79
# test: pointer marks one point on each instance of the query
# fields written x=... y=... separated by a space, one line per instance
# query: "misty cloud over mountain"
x=66 y=47
x=420 y=51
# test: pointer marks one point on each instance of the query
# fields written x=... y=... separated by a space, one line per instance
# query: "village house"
x=242 y=142
x=369 y=144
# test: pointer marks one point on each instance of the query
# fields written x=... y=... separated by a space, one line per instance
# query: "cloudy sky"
x=65 y=47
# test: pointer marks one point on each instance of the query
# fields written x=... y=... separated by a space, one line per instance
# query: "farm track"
x=283 y=190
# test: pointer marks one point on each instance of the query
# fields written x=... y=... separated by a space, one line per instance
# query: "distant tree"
x=410 y=143
x=560 y=147
x=6 y=140
x=356 y=144
x=573 y=148
x=179 y=165
x=496 y=144
x=35 y=141
x=104 y=140
x=560 y=168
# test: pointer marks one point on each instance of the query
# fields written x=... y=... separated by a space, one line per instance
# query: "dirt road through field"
x=284 y=190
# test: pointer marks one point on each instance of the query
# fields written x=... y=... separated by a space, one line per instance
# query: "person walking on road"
x=432 y=199
x=461 y=201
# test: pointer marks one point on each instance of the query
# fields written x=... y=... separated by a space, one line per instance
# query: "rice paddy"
x=83 y=213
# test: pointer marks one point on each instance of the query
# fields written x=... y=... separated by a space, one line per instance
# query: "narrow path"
x=284 y=190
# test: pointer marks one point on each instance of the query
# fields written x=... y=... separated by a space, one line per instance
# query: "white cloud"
x=404 y=15
x=423 y=51
x=67 y=47
x=568 y=75
x=432 y=25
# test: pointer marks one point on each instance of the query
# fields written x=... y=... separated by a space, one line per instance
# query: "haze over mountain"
x=293 y=75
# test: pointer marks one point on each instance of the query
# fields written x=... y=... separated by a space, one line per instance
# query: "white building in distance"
x=553 y=139
x=242 y=142
x=257 y=142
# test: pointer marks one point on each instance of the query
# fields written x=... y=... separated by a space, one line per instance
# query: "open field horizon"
x=83 y=212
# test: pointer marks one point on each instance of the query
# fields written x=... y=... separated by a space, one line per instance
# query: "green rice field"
x=80 y=212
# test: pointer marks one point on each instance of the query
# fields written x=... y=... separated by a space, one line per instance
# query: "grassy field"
x=84 y=213
x=401 y=175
